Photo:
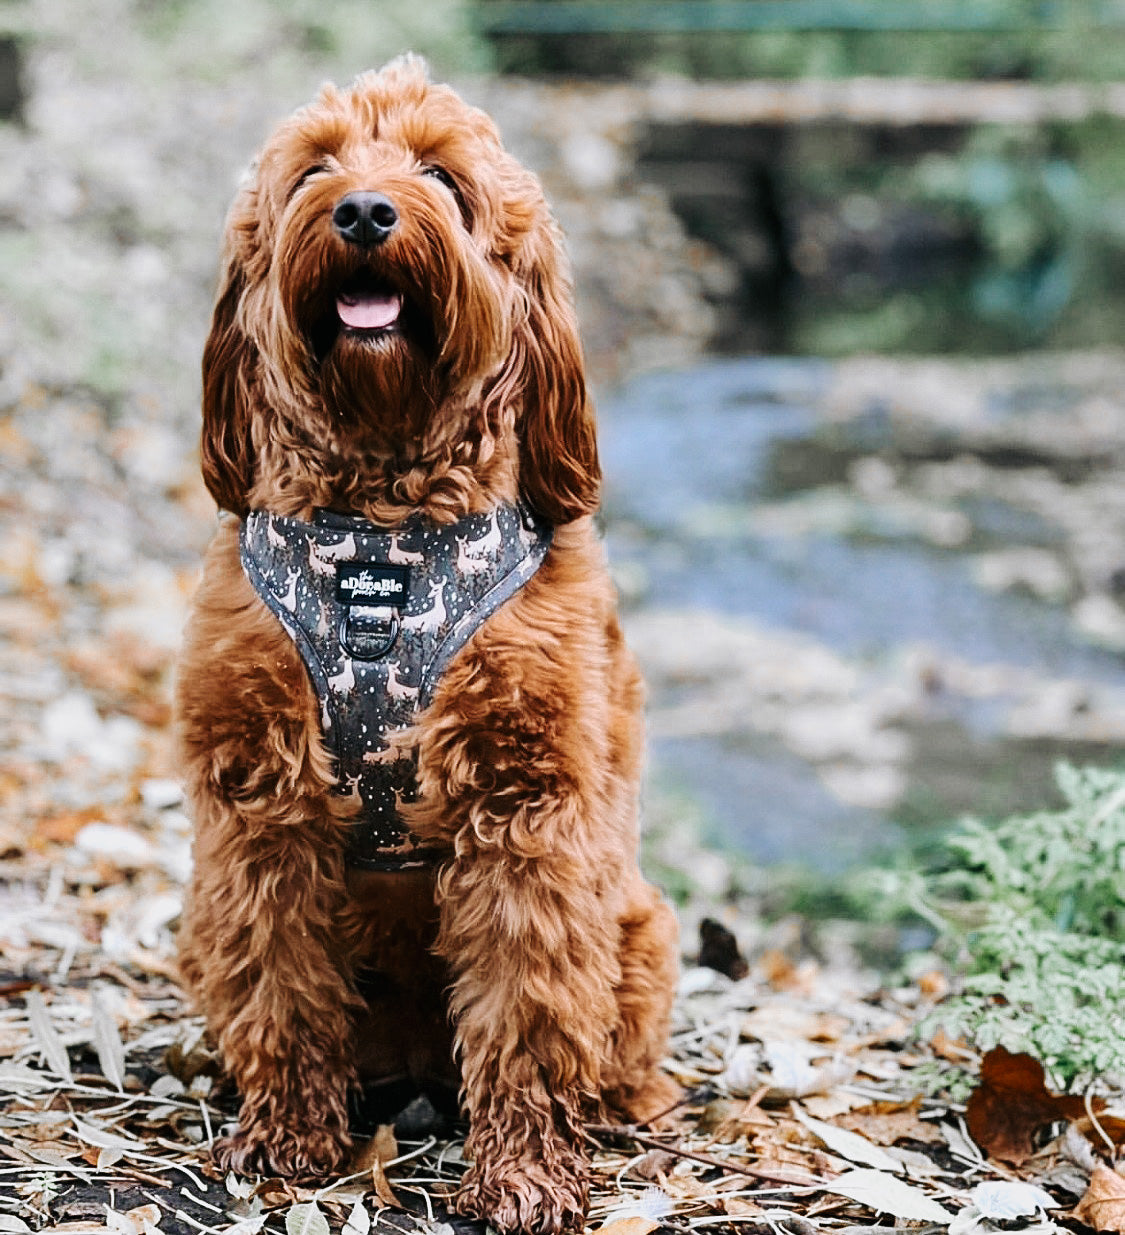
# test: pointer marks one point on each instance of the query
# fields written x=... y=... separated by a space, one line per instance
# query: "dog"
x=393 y=382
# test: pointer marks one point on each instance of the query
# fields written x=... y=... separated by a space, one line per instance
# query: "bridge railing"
x=581 y=17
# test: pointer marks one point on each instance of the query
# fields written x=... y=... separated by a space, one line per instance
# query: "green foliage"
x=1032 y=913
x=1071 y=51
x=1030 y=217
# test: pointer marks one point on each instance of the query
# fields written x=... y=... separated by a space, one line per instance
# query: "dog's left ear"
x=228 y=358
x=559 y=471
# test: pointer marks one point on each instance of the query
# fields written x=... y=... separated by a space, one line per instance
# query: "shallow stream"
x=742 y=516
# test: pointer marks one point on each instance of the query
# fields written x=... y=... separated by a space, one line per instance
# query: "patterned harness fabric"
x=377 y=615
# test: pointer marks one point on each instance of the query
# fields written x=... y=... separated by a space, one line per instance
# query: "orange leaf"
x=884 y=1123
x=1012 y=1103
x=636 y=1225
x=370 y=1157
x=1103 y=1206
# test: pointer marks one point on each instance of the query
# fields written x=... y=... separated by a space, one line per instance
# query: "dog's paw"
x=524 y=1198
x=273 y=1149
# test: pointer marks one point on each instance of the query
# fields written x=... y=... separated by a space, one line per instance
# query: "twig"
x=1097 y=1126
x=753 y=1172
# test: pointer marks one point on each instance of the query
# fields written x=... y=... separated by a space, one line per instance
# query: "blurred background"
x=850 y=277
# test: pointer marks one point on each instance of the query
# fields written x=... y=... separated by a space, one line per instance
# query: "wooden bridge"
x=581 y=17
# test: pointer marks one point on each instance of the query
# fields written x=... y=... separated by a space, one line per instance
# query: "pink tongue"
x=369 y=311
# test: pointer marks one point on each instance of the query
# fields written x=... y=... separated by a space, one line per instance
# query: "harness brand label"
x=372 y=583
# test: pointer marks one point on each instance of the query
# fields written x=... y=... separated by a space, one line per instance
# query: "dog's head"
x=394 y=290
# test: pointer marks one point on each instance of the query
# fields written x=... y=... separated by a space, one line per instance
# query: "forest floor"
x=813 y=1102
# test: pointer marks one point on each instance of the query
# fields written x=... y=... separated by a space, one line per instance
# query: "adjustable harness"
x=377 y=615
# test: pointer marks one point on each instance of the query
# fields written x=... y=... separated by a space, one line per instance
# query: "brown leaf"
x=382 y=1187
x=884 y=1123
x=370 y=1157
x=740 y=1207
x=1012 y=1103
x=62 y=829
x=952 y=1050
x=629 y=1226
x=782 y=974
x=716 y=1113
x=273 y=1193
x=653 y=1165
x=1103 y=1206
x=933 y=985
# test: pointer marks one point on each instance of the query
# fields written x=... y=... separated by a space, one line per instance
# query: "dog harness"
x=377 y=615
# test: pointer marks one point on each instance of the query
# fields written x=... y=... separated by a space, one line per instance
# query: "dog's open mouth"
x=367 y=305
x=365 y=309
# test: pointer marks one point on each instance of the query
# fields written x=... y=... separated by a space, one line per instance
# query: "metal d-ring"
x=367 y=633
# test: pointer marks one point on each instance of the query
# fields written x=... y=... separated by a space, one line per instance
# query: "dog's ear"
x=226 y=449
x=559 y=471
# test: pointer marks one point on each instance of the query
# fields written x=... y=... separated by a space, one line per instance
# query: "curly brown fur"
x=534 y=965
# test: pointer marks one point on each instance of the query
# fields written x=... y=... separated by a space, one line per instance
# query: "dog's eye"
x=443 y=177
x=439 y=173
x=314 y=170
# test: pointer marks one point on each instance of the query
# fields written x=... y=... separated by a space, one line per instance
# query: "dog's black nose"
x=365 y=218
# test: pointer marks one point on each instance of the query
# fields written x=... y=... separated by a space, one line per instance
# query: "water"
x=689 y=457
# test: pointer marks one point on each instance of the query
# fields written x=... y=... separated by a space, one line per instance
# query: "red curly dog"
x=412 y=351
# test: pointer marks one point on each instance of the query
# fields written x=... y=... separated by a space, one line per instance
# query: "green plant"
x=1032 y=914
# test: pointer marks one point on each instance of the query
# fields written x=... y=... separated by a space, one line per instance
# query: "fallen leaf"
x=1103 y=1206
x=306 y=1219
x=103 y=1138
x=107 y=1043
x=63 y=828
x=651 y=1206
x=888 y=1122
x=783 y=975
x=137 y=1221
x=370 y=1157
x=774 y=1023
x=793 y=1076
x=740 y=1207
x=359 y=1221
x=847 y=1144
x=46 y=1037
x=887 y=1194
x=933 y=985
x=1112 y=1126
x=382 y=1187
x=630 y=1226
x=952 y=1050
x=1012 y=1103
x=385 y=1144
x=833 y=1105
x=273 y=1193
x=716 y=1113
x=1003 y=1200
x=655 y=1163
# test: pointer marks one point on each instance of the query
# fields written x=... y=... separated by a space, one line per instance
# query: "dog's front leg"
x=534 y=955
x=529 y=931
x=262 y=954
x=263 y=946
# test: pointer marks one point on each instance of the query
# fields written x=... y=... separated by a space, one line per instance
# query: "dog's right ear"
x=226 y=448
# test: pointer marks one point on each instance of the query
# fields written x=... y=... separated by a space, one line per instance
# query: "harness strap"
x=377 y=615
